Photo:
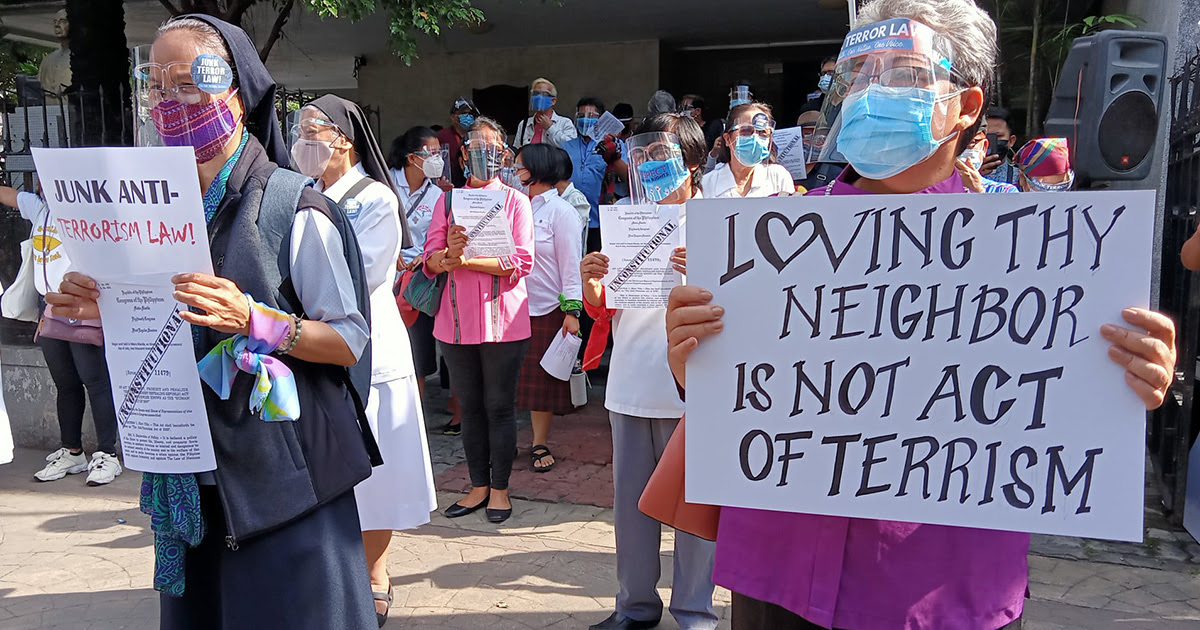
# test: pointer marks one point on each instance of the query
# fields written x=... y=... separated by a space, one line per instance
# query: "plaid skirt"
x=537 y=390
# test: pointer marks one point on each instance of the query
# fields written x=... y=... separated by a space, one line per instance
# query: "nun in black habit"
x=333 y=143
x=271 y=538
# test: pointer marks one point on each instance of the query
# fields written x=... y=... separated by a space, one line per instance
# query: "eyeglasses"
x=315 y=129
x=542 y=93
x=746 y=131
x=158 y=83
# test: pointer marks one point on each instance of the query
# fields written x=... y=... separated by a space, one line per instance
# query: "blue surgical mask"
x=751 y=150
x=660 y=178
x=541 y=102
x=584 y=125
x=734 y=102
x=825 y=82
x=466 y=120
x=466 y=172
x=886 y=131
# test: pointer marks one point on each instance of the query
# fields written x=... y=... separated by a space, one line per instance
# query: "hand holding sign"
x=690 y=318
x=225 y=306
x=1149 y=357
x=76 y=297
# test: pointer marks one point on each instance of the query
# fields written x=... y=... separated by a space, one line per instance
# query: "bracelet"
x=299 y=325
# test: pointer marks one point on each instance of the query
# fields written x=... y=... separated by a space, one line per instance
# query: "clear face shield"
x=486 y=155
x=752 y=140
x=740 y=95
x=888 y=107
x=656 y=167
x=184 y=103
x=311 y=141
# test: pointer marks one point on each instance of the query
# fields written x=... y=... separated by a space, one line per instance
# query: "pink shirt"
x=860 y=574
x=479 y=307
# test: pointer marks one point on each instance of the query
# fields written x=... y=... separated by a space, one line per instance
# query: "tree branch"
x=172 y=9
x=276 y=29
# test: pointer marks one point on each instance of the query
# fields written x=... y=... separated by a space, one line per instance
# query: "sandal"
x=382 y=617
x=540 y=451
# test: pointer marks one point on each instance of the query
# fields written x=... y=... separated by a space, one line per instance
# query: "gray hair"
x=969 y=30
x=208 y=38
x=662 y=102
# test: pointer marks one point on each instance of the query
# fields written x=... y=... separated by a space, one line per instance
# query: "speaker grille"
x=1127 y=131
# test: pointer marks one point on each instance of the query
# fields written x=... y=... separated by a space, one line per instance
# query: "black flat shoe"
x=617 y=621
x=455 y=510
x=452 y=429
x=498 y=516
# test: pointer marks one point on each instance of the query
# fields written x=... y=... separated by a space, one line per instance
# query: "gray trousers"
x=638 y=443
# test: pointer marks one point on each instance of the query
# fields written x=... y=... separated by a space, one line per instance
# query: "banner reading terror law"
x=131 y=218
x=921 y=358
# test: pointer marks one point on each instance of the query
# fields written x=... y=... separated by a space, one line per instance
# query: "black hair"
x=593 y=101
x=698 y=101
x=542 y=163
x=995 y=111
x=565 y=168
x=691 y=141
x=829 y=59
x=723 y=154
x=406 y=144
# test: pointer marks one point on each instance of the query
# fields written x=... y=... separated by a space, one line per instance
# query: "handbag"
x=422 y=292
x=63 y=328
x=408 y=314
x=662 y=499
x=20 y=300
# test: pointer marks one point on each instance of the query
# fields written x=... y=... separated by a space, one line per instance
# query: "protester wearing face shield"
x=545 y=125
x=696 y=106
x=971 y=160
x=590 y=161
x=555 y=298
x=232 y=545
x=665 y=168
x=1045 y=165
x=912 y=101
x=482 y=324
x=746 y=157
x=462 y=115
x=417 y=163
x=334 y=144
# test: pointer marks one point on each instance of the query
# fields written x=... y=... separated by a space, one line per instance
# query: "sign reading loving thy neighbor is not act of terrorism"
x=923 y=358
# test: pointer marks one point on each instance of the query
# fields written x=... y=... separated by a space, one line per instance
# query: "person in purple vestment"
x=907 y=97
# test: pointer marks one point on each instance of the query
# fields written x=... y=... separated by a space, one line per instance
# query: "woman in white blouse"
x=555 y=291
x=746 y=157
x=335 y=145
x=417 y=164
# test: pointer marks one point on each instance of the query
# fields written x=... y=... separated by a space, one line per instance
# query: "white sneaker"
x=103 y=469
x=62 y=463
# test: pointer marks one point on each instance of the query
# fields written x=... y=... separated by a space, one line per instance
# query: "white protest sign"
x=560 y=356
x=638 y=241
x=481 y=212
x=921 y=358
x=131 y=218
x=790 y=151
x=605 y=125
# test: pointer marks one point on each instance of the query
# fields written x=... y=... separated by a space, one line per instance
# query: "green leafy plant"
x=17 y=58
x=407 y=19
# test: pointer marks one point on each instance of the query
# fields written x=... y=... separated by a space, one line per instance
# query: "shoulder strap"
x=356 y=189
x=281 y=198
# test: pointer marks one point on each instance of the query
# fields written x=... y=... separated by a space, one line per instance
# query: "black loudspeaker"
x=29 y=91
x=1108 y=101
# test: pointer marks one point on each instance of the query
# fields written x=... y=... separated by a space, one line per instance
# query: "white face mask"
x=310 y=157
x=433 y=166
x=974 y=157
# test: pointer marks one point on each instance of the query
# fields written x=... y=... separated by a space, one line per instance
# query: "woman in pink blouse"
x=482 y=325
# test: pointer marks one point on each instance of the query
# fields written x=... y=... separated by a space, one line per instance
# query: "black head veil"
x=352 y=121
x=255 y=87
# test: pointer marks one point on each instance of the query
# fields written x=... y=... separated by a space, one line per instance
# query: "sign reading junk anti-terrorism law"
x=131 y=218
x=922 y=358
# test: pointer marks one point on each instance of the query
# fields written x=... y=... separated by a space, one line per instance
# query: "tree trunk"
x=1032 y=129
x=99 y=98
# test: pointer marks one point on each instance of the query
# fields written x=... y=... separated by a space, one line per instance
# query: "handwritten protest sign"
x=638 y=241
x=131 y=218
x=481 y=212
x=790 y=151
x=921 y=358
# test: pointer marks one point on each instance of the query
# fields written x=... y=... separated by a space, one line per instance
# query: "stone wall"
x=29 y=396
